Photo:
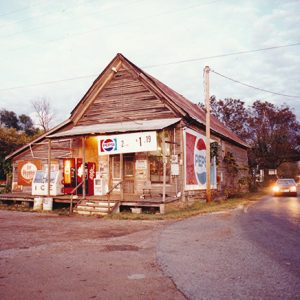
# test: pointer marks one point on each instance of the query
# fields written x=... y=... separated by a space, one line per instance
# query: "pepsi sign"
x=108 y=145
x=127 y=143
x=200 y=161
x=195 y=161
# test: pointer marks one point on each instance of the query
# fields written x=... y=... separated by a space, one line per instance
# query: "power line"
x=140 y=18
x=254 y=87
x=162 y=64
x=21 y=9
x=220 y=55
x=48 y=82
x=61 y=11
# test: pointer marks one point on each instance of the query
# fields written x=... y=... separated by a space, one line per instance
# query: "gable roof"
x=184 y=107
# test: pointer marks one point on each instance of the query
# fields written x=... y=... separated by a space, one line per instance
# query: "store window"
x=156 y=160
x=156 y=169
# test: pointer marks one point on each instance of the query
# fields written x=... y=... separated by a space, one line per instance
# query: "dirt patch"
x=80 y=258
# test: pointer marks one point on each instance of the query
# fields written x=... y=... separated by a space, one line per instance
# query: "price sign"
x=126 y=143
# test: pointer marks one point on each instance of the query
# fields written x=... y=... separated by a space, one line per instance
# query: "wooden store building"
x=130 y=142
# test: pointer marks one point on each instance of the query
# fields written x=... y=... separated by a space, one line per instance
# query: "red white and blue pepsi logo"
x=108 y=145
x=200 y=161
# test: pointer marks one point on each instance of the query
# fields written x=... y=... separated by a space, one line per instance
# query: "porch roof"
x=129 y=126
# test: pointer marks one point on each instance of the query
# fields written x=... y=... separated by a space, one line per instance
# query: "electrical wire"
x=21 y=9
x=61 y=11
x=140 y=18
x=220 y=55
x=151 y=66
x=254 y=87
x=48 y=82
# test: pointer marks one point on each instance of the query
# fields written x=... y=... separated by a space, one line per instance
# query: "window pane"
x=157 y=168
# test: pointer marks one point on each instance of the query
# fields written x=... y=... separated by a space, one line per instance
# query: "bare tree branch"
x=44 y=112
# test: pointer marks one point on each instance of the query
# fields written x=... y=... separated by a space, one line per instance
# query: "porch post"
x=83 y=166
x=122 y=176
x=164 y=167
x=183 y=166
x=49 y=166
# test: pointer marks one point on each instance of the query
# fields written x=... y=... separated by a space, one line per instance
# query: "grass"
x=175 y=213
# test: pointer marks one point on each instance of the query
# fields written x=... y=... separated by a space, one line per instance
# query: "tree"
x=9 y=119
x=44 y=113
x=10 y=140
x=272 y=132
x=275 y=134
x=14 y=132
x=26 y=124
x=233 y=113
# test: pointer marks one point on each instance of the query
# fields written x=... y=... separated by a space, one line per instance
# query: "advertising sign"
x=127 y=143
x=40 y=183
x=26 y=171
x=195 y=161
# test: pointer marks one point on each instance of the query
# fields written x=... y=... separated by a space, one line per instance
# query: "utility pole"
x=207 y=126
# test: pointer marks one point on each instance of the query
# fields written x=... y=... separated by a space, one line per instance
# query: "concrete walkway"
x=209 y=257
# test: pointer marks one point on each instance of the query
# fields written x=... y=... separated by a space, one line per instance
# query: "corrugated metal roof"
x=192 y=109
x=198 y=113
x=139 y=125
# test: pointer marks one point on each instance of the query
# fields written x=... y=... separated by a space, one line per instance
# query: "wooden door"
x=128 y=173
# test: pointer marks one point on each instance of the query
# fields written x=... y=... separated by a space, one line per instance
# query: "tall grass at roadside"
x=176 y=213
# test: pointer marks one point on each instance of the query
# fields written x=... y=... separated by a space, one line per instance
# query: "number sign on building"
x=127 y=143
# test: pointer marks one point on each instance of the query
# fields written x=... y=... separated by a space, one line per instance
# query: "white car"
x=286 y=186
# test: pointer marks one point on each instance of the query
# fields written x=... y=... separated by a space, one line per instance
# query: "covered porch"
x=124 y=155
x=94 y=204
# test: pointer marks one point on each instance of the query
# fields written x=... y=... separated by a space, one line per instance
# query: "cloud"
x=74 y=38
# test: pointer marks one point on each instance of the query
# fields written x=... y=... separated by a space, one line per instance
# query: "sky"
x=56 y=49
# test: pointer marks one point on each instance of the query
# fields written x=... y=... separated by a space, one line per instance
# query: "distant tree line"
x=15 y=131
x=271 y=131
x=18 y=130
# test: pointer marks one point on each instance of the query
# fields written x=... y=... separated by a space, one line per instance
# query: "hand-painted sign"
x=127 y=143
x=26 y=171
x=195 y=161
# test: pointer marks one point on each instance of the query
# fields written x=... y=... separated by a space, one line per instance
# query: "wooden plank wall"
x=241 y=158
x=176 y=182
x=125 y=98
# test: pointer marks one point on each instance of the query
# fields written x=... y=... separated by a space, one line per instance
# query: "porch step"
x=99 y=203
x=89 y=213
x=94 y=207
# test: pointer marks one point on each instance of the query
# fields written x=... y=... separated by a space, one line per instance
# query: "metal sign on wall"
x=127 y=143
x=195 y=161
x=26 y=171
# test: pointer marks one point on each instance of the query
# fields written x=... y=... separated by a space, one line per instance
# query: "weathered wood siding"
x=125 y=98
x=229 y=183
x=40 y=151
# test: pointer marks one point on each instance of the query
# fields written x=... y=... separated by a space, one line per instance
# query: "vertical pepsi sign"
x=195 y=161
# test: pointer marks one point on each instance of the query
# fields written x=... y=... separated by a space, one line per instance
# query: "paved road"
x=251 y=253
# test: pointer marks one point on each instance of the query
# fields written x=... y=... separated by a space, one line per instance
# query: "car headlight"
x=275 y=188
x=293 y=189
